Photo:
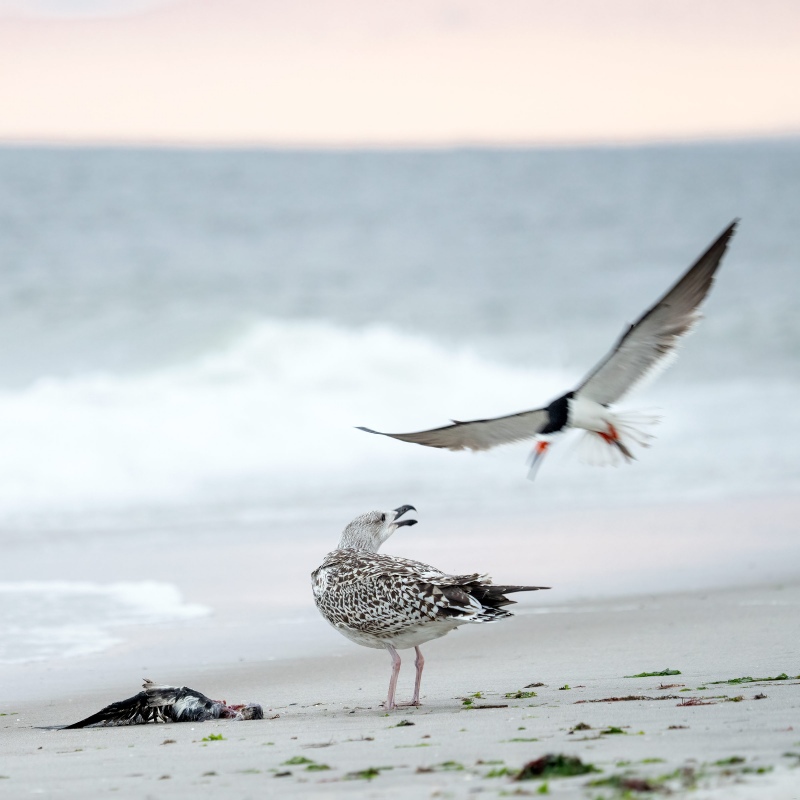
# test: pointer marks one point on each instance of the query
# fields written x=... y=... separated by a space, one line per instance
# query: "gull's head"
x=371 y=530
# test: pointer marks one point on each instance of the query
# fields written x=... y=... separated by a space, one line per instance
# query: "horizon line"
x=467 y=143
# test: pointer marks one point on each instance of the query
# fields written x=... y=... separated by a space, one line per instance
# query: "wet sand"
x=326 y=734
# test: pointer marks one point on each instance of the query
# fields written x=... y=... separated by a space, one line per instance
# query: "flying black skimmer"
x=167 y=704
x=393 y=603
x=644 y=349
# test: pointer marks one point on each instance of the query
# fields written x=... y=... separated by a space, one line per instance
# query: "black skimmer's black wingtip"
x=724 y=238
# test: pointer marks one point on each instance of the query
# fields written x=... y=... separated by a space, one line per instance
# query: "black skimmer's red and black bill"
x=393 y=603
x=643 y=349
x=167 y=704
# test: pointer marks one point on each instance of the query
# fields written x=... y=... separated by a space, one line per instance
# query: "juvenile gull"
x=644 y=348
x=388 y=602
x=167 y=704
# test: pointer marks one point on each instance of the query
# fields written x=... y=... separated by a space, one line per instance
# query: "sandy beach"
x=326 y=735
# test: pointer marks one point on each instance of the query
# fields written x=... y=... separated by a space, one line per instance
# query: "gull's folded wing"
x=648 y=344
x=479 y=434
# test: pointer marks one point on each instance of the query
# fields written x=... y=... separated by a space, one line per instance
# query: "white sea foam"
x=40 y=620
x=277 y=407
x=268 y=421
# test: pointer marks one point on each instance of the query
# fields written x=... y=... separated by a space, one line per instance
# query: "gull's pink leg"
x=390 y=704
x=419 y=664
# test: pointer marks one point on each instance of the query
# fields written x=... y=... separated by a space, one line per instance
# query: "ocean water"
x=192 y=336
x=62 y=619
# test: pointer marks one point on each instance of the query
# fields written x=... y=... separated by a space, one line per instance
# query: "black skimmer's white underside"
x=644 y=348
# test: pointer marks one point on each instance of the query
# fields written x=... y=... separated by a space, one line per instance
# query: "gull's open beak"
x=398 y=512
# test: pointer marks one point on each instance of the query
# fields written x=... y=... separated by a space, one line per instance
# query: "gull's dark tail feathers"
x=495 y=596
x=492 y=598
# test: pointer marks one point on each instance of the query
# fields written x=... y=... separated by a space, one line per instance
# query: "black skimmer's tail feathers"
x=167 y=704
x=627 y=429
x=645 y=348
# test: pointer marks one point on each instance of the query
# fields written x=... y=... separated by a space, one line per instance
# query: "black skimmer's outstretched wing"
x=479 y=434
x=167 y=704
x=649 y=344
x=646 y=346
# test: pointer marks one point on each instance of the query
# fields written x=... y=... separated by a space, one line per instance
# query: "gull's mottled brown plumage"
x=392 y=603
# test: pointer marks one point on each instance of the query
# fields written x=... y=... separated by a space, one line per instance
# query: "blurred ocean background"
x=190 y=336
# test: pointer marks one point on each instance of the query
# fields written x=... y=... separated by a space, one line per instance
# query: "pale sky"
x=397 y=72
